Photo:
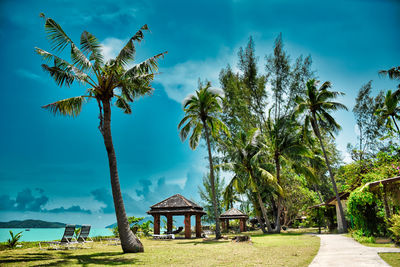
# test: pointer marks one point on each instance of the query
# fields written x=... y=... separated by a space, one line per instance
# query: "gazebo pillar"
x=227 y=224
x=169 y=223
x=242 y=225
x=198 y=225
x=156 y=224
x=223 y=224
x=188 y=231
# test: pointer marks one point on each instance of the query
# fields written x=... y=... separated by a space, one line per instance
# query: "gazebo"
x=231 y=215
x=177 y=205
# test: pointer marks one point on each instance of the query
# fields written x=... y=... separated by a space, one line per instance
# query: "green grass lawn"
x=393 y=259
x=264 y=250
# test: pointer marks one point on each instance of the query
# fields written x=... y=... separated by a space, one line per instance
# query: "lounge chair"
x=67 y=239
x=177 y=231
x=84 y=235
x=167 y=236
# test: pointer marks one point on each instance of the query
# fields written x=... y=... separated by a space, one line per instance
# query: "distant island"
x=31 y=224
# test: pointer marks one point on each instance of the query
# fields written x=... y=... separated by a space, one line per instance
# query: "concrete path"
x=338 y=250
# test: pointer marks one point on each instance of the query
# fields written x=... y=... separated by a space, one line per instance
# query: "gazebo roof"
x=233 y=214
x=176 y=205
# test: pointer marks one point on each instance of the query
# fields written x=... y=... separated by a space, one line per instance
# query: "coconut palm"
x=390 y=110
x=104 y=82
x=245 y=152
x=283 y=142
x=202 y=111
x=393 y=74
x=316 y=104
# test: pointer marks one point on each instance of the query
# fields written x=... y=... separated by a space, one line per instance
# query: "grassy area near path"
x=393 y=259
x=264 y=250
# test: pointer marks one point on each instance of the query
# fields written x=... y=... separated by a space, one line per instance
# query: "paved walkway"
x=338 y=250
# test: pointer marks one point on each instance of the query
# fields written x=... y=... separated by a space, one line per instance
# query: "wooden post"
x=169 y=223
x=156 y=224
x=188 y=232
x=198 y=225
x=385 y=202
x=223 y=224
x=227 y=224
x=242 y=225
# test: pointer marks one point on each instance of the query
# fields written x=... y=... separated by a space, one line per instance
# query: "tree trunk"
x=279 y=202
x=395 y=123
x=212 y=181
x=264 y=212
x=129 y=242
x=342 y=229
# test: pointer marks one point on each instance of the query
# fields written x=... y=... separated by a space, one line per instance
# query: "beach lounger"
x=168 y=236
x=84 y=235
x=68 y=240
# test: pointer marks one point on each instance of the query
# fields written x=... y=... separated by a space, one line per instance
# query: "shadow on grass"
x=63 y=259
x=274 y=234
x=201 y=242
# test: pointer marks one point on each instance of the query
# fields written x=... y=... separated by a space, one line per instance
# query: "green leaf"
x=70 y=106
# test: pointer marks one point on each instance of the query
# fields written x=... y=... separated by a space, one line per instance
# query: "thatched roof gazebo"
x=177 y=205
x=233 y=214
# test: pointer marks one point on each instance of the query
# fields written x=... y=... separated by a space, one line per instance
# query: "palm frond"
x=70 y=106
x=91 y=46
x=150 y=65
x=127 y=53
x=123 y=104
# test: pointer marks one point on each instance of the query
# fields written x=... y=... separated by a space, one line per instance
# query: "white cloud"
x=28 y=74
x=111 y=47
x=181 y=79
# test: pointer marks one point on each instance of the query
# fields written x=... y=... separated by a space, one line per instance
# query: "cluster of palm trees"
x=257 y=156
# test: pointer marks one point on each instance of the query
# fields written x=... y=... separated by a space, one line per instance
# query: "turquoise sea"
x=46 y=234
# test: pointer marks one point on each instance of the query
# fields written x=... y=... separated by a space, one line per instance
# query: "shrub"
x=360 y=237
x=395 y=228
x=367 y=212
x=12 y=242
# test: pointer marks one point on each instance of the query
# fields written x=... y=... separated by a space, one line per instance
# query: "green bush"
x=395 y=228
x=360 y=237
x=367 y=212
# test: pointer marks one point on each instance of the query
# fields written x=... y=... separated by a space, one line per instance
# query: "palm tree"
x=284 y=144
x=202 y=117
x=393 y=74
x=245 y=153
x=390 y=110
x=105 y=81
x=316 y=105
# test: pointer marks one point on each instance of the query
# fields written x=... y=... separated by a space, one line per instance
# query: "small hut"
x=177 y=205
x=231 y=215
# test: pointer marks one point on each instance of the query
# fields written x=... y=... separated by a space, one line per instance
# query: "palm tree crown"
x=390 y=110
x=202 y=109
x=105 y=80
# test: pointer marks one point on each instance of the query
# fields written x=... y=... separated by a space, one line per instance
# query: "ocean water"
x=46 y=234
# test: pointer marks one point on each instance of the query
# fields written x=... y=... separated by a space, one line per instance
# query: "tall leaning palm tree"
x=104 y=82
x=202 y=111
x=316 y=105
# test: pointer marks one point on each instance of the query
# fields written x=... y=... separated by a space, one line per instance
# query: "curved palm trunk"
x=395 y=123
x=342 y=227
x=279 y=202
x=212 y=181
x=129 y=242
x=264 y=212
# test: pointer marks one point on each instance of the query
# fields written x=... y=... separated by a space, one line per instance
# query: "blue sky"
x=55 y=168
